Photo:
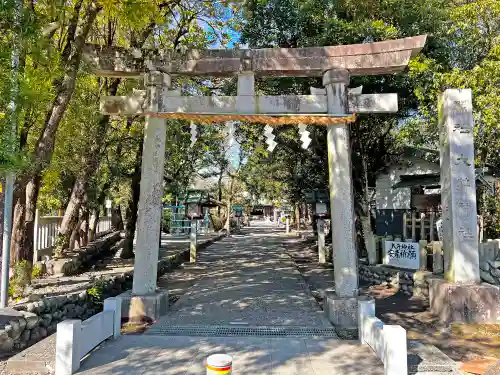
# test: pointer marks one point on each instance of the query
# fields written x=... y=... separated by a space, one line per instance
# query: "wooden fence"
x=418 y=225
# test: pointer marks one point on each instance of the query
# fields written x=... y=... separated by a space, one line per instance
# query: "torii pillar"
x=341 y=188
x=146 y=300
x=341 y=305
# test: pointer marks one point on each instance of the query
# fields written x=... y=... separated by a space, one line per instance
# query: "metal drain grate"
x=224 y=331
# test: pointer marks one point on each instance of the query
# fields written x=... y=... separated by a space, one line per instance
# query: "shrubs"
x=21 y=278
x=218 y=223
x=38 y=270
x=96 y=293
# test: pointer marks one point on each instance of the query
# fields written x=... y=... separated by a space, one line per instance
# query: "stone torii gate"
x=330 y=106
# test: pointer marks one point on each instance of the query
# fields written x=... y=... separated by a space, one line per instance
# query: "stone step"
x=39 y=358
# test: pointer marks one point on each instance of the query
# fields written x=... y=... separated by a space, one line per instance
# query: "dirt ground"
x=473 y=346
x=461 y=342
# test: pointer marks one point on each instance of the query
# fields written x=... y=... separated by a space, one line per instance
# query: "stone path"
x=245 y=281
x=153 y=355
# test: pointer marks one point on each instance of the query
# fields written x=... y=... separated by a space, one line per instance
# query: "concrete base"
x=469 y=303
x=342 y=312
x=149 y=307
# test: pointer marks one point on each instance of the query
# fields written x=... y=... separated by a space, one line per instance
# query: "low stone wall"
x=27 y=323
x=74 y=262
x=409 y=282
x=489 y=273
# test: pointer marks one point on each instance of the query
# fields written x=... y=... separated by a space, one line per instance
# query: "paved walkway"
x=247 y=279
x=243 y=282
x=161 y=355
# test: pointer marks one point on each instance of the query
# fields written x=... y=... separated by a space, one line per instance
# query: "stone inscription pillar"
x=458 y=187
x=341 y=188
x=150 y=204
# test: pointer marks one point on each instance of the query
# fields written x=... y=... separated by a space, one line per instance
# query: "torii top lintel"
x=359 y=59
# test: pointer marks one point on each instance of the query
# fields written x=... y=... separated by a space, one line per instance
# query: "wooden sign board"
x=402 y=254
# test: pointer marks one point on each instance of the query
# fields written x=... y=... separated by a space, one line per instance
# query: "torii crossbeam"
x=332 y=104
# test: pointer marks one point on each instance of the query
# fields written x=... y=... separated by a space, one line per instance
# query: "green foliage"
x=491 y=215
x=289 y=171
x=37 y=271
x=97 y=292
x=218 y=223
x=21 y=277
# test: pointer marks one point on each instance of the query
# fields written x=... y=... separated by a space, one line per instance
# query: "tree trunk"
x=133 y=206
x=297 y=217
x=74 y=239
x=22 y=240
x=219 y=195
x=369 y=239
x=24 y=222
x=365 y=218
x=71 y=214
x=116 y=218
x=84 y=228
x=229 y=204
x=18 y=225
x=94 y=220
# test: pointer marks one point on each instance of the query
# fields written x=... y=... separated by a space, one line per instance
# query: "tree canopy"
x=69 y=156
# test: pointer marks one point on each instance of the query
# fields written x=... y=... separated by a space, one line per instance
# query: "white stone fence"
x=75 y=339
x=387 y=341
x=46 y=229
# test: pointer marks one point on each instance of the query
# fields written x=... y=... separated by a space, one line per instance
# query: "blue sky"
x=234 y=36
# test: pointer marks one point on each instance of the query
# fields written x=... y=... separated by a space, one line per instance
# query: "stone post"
x=193 y=242
x=396 y=356
x=458 y=187
x=437 y=258
x=366 y=308
x=149 y=213
x=321 y=241
x=67 y=353
x=341 y=188
x=287 y=225
x=422 y=244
